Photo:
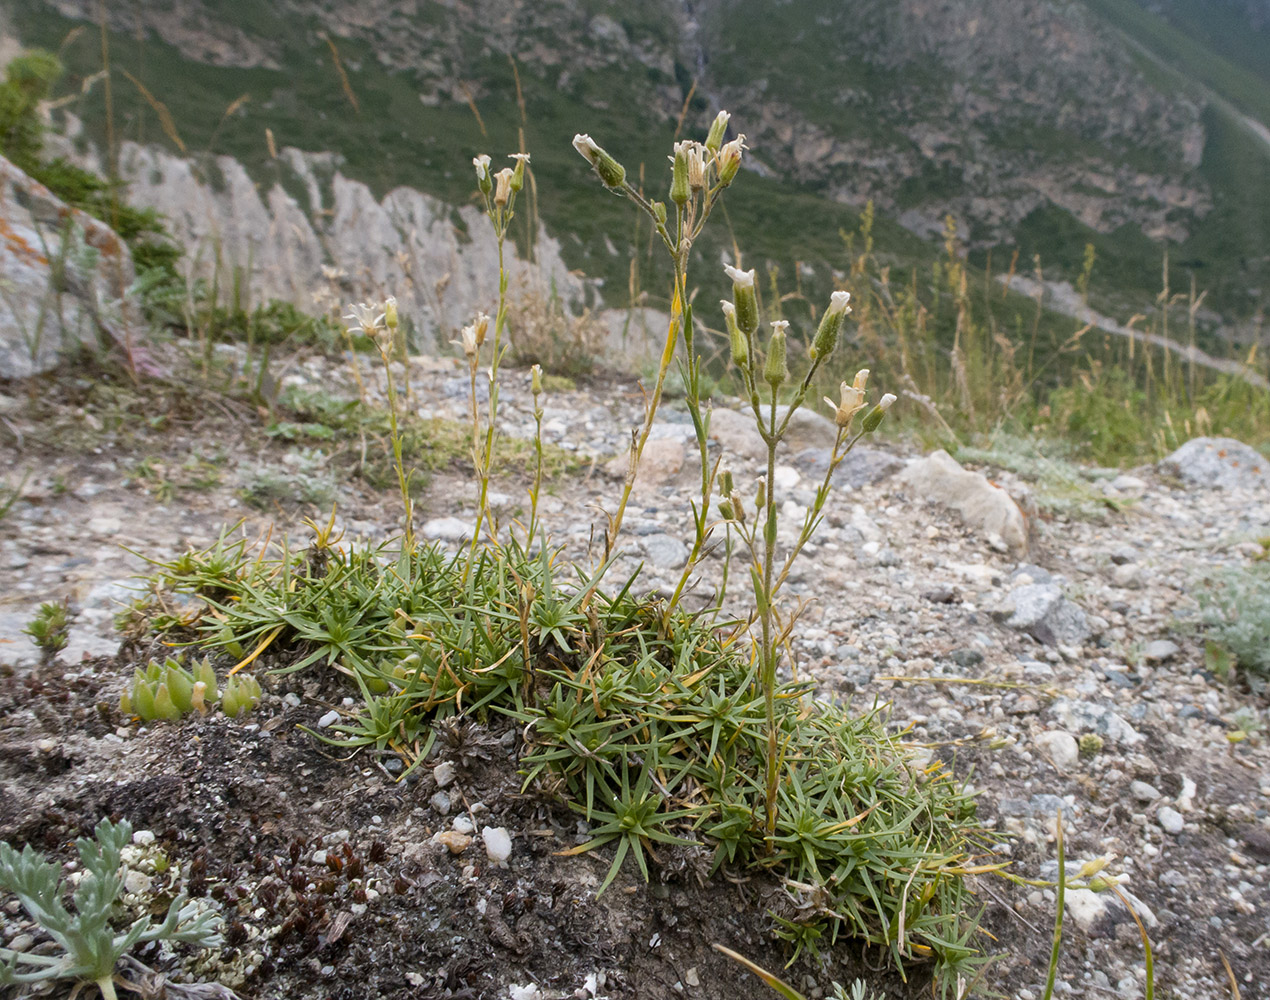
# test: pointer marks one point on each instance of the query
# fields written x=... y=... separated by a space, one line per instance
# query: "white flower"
x=852 y=402
x=838 y=303
x=365 y=318
x=587 y=146
x=468 y=343
x=504 y=189
x=742 y=279
x=481 y=163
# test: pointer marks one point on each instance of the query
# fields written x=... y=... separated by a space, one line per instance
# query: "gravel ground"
x=908 y=605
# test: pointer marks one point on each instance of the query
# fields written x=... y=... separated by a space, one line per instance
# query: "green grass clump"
x=50 y=628
x=645 y=720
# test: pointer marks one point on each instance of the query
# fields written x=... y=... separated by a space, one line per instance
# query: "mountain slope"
x=1038 y=126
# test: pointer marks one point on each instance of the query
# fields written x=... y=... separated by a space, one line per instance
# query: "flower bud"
x=679 y=192
x=874 y=417
x=481 y=327
x=535 y=379
x=736 y=339
x=518 y=174
x=718 y=129
x=390 y=312
x=745 y=297
x=659 y=212
x=483 y=180
x=726 y=511
x=503 y=191
x=737 y=505
x=696 y=168
x=826 y=338
x=729 y=160
x=612 y=173
x=760 y=498
x=776 y=371
x=726 y=485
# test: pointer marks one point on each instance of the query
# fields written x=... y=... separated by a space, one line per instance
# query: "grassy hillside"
x=388 y=136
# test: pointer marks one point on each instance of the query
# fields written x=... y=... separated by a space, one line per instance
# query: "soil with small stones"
x=323 y=862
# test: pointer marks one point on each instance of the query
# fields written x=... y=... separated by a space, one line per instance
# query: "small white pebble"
x=443 y=773
x=498 y=844
x=329 y=719
x=143 y=838
x=463 y=825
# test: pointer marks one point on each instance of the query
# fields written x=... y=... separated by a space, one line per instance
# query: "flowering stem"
x=484 y=456
x=402 y=479
x=766 y=613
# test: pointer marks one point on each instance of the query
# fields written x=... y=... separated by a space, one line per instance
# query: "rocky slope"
x=996 y=658
x=983 y=108
x=1038 y=126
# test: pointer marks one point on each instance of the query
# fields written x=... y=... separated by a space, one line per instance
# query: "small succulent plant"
x=90 y=945
x=170 y=690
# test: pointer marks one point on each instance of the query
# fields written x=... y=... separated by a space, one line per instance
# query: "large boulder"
x=982 y=505
x=1223 y=463
x=739 y=438
x=64 y=278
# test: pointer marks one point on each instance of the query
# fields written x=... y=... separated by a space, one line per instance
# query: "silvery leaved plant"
x=91 y=947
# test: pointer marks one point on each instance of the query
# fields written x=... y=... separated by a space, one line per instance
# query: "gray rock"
x=1061 y=748
x=446 y=529
x=1041 y=610
x=1090 y=717
x=659 y=464
x=46 y=316
x=379 y=244
x=1170 y=820
x=1160 y=651
x=1221 y=463
x=1028 y=573
x=1127 y=575
x=1128 y=485
x=966 y=658
x=865 y=466
x=737 y=436
x=1143 y=792
x=980 y=504
x=664 y=551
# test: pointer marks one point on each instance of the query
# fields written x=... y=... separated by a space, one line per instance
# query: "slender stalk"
x=403 y=480
x=769 y=646
x=1057 y=947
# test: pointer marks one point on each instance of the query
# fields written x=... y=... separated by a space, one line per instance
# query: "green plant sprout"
x=168 y=691
x=50 y=628
x=90 y=945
